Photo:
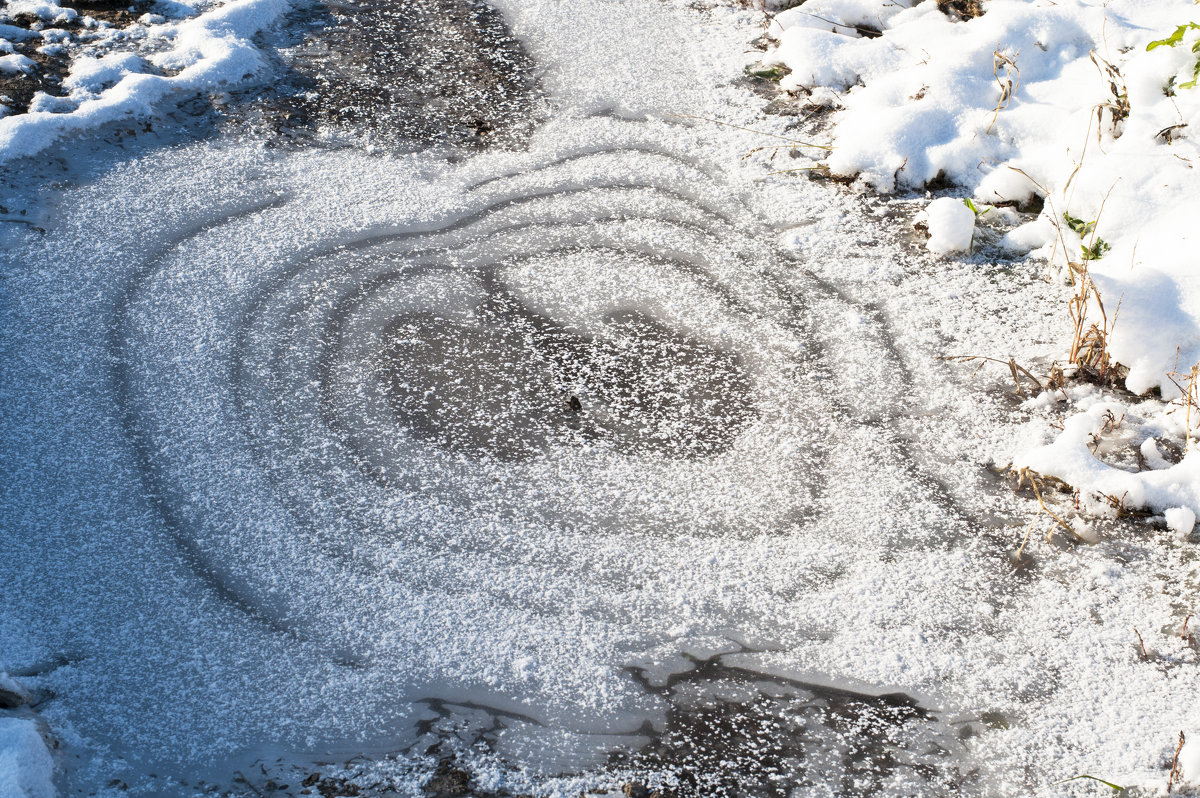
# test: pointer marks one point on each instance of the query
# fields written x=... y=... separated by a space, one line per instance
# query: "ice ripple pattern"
x=553 y=363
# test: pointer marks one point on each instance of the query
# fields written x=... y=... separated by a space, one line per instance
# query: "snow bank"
x=1060 y=100
x=1066 y=101
x=26 y=767
x=209 y=52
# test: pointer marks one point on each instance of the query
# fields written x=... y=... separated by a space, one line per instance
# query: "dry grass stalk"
x=1089 y=339
x=792 y=143
x=1020 y=558
x=1014 y=368
x=1188 y=383
x=1118 y=106
x=1009 y=83
x=1028 y=474
x=1176 y=770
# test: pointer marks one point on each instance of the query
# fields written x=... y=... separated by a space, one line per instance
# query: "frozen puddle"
x=501 y=446
x=496 y=471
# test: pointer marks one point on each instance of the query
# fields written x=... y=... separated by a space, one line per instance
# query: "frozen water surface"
x=532 y=468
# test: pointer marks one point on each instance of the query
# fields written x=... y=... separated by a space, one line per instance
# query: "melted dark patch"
x=513 y=384
x=426 y=71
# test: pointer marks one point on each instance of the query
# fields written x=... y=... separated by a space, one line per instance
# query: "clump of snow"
x=26 y=767
x=47 y=11
x=1029 y=236
x=1181 y=520
x=951 y=225
x=15 y=64
x=1072 y=457
x=12 y=33
x=93 y=75
x=1152 y=455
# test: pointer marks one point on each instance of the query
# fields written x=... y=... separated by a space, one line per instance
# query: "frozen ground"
x=607 y=457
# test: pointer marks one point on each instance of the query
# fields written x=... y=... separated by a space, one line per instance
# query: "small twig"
x=246 y=781
x=867 y=33
x=797 y=142
x=797 y=169
x=1141 y=643
x=1013 y=366
x=1176 y=770
x=1166 y=133
x=1007 y=87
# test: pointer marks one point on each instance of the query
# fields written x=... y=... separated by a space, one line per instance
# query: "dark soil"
x=961 y=9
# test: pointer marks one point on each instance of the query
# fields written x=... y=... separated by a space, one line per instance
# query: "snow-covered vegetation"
x=124 y=73
x=1085 y=110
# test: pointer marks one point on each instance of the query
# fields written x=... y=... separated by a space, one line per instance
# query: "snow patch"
x=1067 y=102
x=1071 y=457
x=26 y=767
x=15 y=64
x=210 y=52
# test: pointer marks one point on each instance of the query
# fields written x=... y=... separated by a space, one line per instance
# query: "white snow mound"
x=951 y=225
x=26 y=767
x=1181 y=520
